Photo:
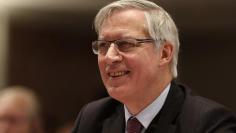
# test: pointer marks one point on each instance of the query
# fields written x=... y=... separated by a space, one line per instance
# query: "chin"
x=118 y=93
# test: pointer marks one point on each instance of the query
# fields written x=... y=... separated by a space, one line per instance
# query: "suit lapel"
x=115 y=123
x=165 y=121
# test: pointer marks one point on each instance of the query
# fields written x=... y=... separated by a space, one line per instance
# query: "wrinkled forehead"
x=108 y=15
x=126 y=20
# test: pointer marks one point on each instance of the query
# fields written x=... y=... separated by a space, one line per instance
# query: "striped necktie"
x=134 y=126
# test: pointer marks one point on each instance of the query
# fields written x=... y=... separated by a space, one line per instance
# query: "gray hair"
x=160 y=24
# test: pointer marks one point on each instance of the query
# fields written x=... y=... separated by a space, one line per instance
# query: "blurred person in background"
x=19 y=111
x=65 y=128
x=137 y=50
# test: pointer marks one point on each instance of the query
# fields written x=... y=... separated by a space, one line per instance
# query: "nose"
x=113 y=55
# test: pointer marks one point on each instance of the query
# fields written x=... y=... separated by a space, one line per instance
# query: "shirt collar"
x=147 y=115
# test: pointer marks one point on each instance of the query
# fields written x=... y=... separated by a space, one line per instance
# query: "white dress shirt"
x=147 y=115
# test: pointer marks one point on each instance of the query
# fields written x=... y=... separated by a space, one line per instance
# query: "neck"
x=139 y=103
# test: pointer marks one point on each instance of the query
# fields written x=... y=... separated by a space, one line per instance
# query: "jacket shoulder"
x=93 y=114
x=205 y=115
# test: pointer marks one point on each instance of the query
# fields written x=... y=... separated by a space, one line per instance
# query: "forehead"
x=125 y=22
x=12 y=105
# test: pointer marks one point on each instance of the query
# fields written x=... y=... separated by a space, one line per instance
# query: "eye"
x=102 y=46
x=125 y=45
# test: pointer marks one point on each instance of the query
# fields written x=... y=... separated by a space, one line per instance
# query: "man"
x=137 y=51
x=19 y=111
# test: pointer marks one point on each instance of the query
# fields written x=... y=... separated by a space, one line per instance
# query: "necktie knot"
x=134 y=126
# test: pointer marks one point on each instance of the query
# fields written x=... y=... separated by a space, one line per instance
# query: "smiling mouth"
x=118 y=74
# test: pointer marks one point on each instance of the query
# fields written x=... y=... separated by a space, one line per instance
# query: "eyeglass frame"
x=116 y=42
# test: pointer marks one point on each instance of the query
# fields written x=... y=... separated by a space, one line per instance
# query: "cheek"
x=144 y=66
x=100 y=62
x=102 y=66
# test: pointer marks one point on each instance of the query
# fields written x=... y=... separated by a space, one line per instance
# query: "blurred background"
x=46 y=45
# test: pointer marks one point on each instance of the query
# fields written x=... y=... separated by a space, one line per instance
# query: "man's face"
x=13 y=117
x=136 y=72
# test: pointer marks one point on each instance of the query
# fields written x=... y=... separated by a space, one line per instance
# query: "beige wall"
x=3 y=46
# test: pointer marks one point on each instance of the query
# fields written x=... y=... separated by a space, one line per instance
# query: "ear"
x=166 y=53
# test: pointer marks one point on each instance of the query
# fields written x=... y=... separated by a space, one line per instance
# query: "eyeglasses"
x=123 y=45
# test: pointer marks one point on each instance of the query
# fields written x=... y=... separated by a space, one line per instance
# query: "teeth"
x=116 y=74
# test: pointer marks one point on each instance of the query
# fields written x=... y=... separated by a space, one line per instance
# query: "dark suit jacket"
x=182 y=112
